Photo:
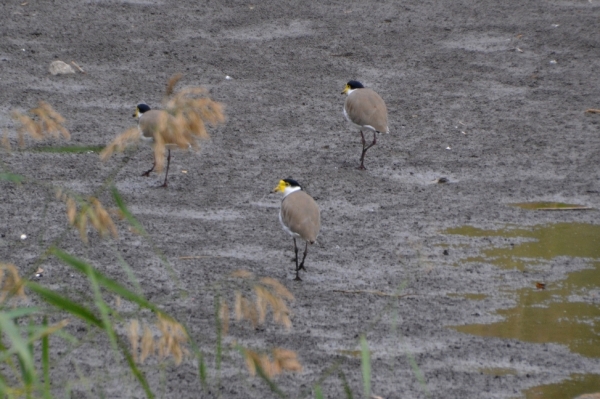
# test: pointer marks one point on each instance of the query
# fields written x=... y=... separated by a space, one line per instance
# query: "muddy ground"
x=488 y=94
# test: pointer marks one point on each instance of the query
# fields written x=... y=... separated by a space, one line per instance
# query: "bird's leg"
x=364 y=151
x=168 y=163
x=303 y=257
x=147 y=173
x=297 y=267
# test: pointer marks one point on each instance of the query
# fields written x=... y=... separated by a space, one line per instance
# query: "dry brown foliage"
x=190 y=109
x=282 y=360
x=5 y=141
x=92 y=211
x=129 y=136
x=269 y=293
x=44 y=122
x=11 y=283
x=224 y=317
x=171 y=340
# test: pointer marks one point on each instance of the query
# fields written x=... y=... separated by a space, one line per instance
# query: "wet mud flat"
x=490 y=96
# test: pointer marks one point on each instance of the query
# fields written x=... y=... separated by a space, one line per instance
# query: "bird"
x=159 y=126
x=365 y=109
x=300 y=217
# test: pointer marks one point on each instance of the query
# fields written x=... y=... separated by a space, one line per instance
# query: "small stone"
x=60 y=68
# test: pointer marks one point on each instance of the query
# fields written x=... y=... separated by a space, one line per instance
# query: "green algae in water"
x=548 y=241
x=544 y=316
x=577 y=385
x=557 y=314
x=549 y=206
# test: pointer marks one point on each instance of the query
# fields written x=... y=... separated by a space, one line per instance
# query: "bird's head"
x=287 y=186
x=352 y=85
x=140 y=109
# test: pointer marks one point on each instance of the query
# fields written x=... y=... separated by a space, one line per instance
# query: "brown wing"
x=161 y=122
x=364 y=107
x=300 y=213
x=153 y=122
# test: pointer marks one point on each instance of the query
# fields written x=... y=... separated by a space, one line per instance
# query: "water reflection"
x=577 y=385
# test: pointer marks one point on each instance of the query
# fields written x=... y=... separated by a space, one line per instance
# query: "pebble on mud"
x=60 y=68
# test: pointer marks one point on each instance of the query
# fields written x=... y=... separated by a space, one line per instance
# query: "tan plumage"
x=365 y=109
x=299 y=215
x=159 y=126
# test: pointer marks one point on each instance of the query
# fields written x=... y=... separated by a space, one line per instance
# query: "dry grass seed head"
x=244 y=309
x=12 y=284
x=71 y=210
x=283 y=360
x=224 y=317
x=242 y=274
x=286 y=360
x=279 y=288
x=50 y=120
x=172 y=339
x=129 y=136
x=105 y=225
x=237 y=307
x=278 y=305
x=173 y=80
x=81 y=224
x=148 y=346
x=133 y=333
x=6 y=141
x=48 y=123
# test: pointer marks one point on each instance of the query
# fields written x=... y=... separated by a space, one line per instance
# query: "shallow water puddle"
x=547 y=242
x=564 y=311
x=577 y=385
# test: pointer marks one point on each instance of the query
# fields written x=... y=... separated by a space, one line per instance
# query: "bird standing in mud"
x=299 y=215
x=159 y=127
x=365 y=109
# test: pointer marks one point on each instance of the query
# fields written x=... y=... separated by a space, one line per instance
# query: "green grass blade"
x=219 y=328
x=318 y=392
x=138 y=227
x=65 y=304
x=20 y=346
x=136 y=371
x=123 y=208
x=346 y=386
x=418 y=374
x=366 y=366
x=129 y=273
x=202 y=371
x=12 y=177
x=104 y=281
x=46 y=361
x=20 y=312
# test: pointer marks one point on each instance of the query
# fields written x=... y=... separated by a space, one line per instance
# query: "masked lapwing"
x=299 y=215
x=159 y=126
x=365 y=109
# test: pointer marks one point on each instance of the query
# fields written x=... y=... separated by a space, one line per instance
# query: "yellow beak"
x=346 y=89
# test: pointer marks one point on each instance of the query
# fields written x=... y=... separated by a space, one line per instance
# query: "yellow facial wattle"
x=280 y=187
